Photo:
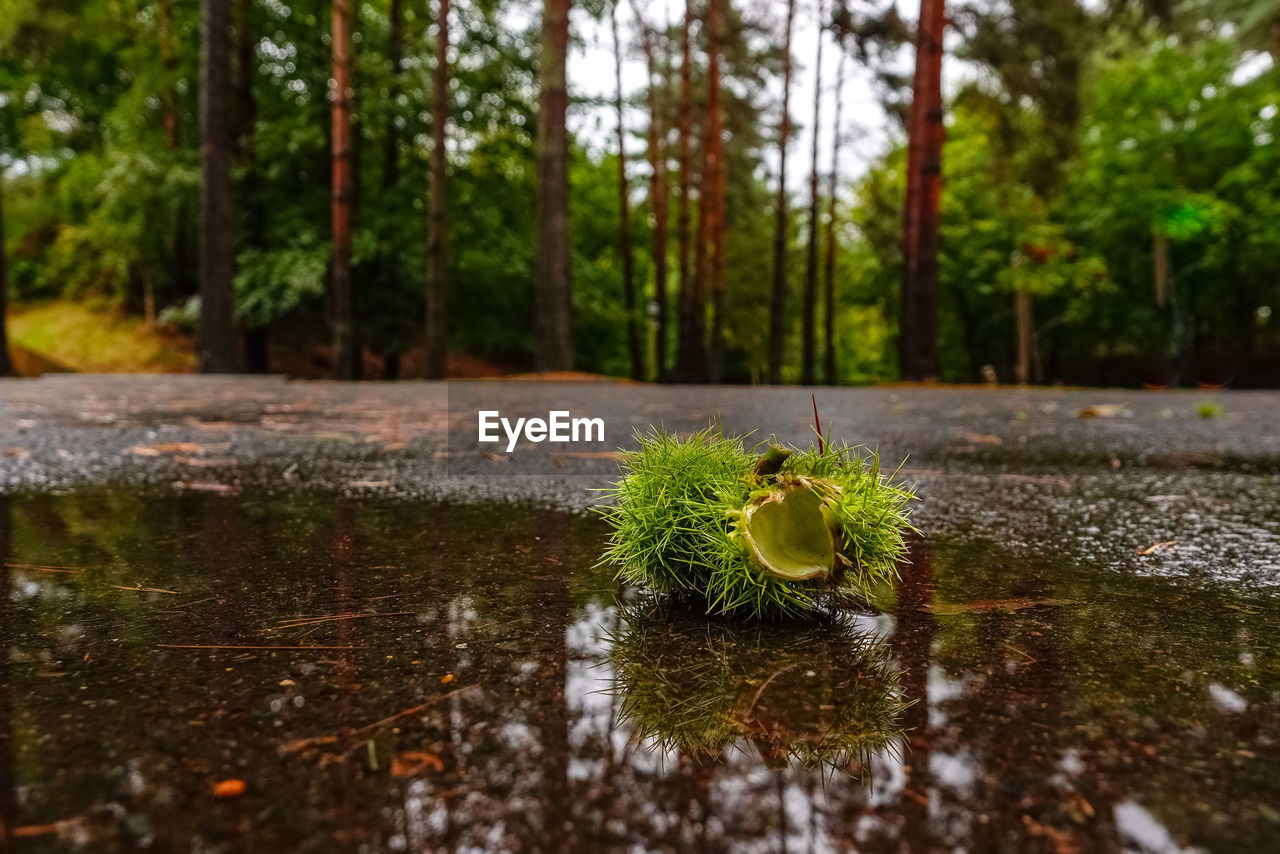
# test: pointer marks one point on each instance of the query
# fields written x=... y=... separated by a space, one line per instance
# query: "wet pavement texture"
x=290 y=587
x=1087 y=474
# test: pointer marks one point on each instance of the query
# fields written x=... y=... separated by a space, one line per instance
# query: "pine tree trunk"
x=688 y=333
x=344 y=349
x=216 y=348
x=918 y=322
x=554 y=287
x=6 y=364
x=658 y=199
x=715 y=178
x=829 y=272
x=778 y=296
x=256 y=344
x=395 y=55
x=810 y=308
x=169 y=61
x=624 y=213
x=437 y=257
x=1022 y=312
x=695 y=367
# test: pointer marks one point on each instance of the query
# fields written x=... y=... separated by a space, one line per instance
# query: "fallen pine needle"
x=309 y=621
x=244 y=646
x=43 y=567
x=142 y=589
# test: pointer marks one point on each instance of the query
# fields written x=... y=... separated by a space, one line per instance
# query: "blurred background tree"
x=1109 y=206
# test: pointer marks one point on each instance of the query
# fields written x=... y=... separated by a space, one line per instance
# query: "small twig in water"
x=357 y=734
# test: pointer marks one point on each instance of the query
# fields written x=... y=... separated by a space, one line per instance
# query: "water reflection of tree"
x=7 y=782
x=1029 y=712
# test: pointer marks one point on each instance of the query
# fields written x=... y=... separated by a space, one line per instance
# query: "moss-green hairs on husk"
x=757 y=535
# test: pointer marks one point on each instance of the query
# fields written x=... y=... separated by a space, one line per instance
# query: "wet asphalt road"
x=1082 y=474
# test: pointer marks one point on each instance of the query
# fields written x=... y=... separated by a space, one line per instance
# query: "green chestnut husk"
x=754 y=532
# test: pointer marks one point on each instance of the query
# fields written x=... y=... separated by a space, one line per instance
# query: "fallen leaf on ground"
x=167 y=448
x=206 y=486
x=1102 y=410
x=446 y=679
x=228 y=789
x=1152 y=549
x=982 y=439
x=411 y=763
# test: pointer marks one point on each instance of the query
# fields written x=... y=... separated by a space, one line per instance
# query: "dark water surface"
x=471 y=683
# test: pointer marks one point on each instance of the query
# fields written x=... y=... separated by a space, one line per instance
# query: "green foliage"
x=270 y=283
x=1091 y=132
x=682 y=522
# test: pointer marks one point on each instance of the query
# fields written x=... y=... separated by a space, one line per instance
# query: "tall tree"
x=778 y=296
x=624 y=212
x=657 y=191
x=6 y=364
x=257 y=358
x=395 y=59
x=437 y=257
x=714 y=181
x=688 y=333
x=554 y=287
x=810 y=308
x=917 y=337
x=344 y=349
x=696 y=366
x=391 y=161
x=217 y=330
x=829 y=263
x=169 y=61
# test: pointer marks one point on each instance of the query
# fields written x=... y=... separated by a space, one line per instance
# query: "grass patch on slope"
x=95 y=338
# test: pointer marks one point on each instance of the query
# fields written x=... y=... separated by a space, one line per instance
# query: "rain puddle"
x=408 y=677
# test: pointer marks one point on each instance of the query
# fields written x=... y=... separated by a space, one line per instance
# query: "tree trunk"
x=658 y=199
x=437 y=258
x=1022 y=312
x=809 y=320
x=778 y=296
x=256 y=345
x=688 y=333
x=624 y=213
x=169 y=61
x=554 y=288
x=391 y=134
x=715 y=180
x=918 y=322
x=344 y=350
x=829 y=271
x=216 y=349
x=695 y=367
x=6 y=364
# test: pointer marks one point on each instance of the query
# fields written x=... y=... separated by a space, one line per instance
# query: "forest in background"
x=351 y=180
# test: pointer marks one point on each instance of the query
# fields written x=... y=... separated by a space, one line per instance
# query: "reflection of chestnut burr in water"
x=822 y=694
